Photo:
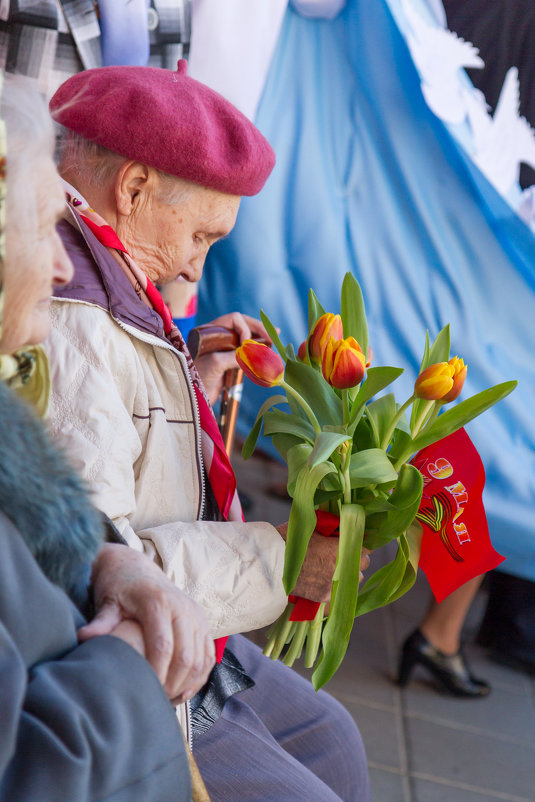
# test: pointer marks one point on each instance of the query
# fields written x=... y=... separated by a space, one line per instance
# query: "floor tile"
x=504 y=715
x=429 y=791
x=380 y=732
x=473 y=759
x=388 y=787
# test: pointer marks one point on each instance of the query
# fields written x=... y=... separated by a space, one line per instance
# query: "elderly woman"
x=155 y=164
x=83 y=717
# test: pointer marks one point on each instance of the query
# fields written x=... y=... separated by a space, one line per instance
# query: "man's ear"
x=131 y=181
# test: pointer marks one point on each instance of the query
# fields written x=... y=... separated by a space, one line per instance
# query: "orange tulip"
x=343 y=363
x=262 y=365
x=459 y=375
x=302 y=351
x=328 y=325
x=434 y=382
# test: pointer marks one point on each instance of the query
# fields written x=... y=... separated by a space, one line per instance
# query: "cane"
x=206 y=340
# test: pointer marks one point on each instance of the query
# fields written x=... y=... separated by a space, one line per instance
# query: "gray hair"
x=97 y=165
x=30 y=141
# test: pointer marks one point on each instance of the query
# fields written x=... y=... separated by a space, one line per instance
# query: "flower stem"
x=418 y=423
x=300 y=400
x=295 y=648
x=279 y=633
x=314 y=637
x=395 y=421
x=345 y=406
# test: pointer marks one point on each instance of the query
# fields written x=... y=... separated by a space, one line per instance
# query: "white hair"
x=96 y=166
x=30 y=142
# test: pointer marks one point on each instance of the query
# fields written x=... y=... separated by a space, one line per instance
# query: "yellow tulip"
x=434 y=382
x=459 y=375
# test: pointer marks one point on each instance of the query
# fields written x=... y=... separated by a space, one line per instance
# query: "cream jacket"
x=123 y=407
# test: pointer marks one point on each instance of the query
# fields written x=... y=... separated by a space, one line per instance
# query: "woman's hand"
x=315 y=579
x=136 y=602
x=212 y=367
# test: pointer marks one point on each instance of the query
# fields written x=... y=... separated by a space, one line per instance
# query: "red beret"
x=169 y=121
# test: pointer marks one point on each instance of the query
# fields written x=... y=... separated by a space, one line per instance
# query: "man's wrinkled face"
x=171 y=240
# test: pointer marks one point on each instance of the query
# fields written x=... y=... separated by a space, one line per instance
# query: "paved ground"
x=422 y=746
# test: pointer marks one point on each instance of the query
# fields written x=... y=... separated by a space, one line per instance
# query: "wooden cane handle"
x=208 y=338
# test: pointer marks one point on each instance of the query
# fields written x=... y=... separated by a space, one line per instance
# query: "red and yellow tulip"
x=260 y=363
x=434 y=382
x=459 y=375
x=328 y=325
x=343 y=363
x=302 y=351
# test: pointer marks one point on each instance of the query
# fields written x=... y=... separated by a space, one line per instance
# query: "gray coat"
x=77 y=722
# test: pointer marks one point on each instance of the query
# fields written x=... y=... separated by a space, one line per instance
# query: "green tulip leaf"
x=376 y=380
x=380 y=414
x=302 y=521
x=326 y=443
x=311 y=385
x=371 y=467
x=393 y=580
x=276 y=422
x=461 y=414
x=284 y=442
x=297 y=458
x=401 y=441
x=440 y=350
x=384 y=583
x=404 y=501
x=337 y=630
x=413 y=537
x=252 y=437
x=272 y=331
x=315 y=310
x=290 y=351
x=353 y=312
x=425 y=358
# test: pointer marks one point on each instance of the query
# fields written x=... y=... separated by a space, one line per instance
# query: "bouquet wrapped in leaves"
x=348 y=450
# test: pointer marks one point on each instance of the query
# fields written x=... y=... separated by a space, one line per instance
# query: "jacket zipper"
x=151 y=340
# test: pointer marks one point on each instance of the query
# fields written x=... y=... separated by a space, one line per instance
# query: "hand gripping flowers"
x=348 y=448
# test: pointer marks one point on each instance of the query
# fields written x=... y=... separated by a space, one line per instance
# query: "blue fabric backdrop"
x=369 y=180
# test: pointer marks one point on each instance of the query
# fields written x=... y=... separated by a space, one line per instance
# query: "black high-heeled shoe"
x=451 y=671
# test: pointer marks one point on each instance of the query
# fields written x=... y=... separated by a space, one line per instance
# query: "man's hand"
x=212 y=367
x=316 y=576
x=133 y=597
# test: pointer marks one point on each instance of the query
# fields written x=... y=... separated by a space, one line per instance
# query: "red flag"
x=456 y=545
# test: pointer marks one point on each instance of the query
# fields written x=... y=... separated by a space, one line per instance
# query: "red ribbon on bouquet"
x=456 y=544
x=327 y=524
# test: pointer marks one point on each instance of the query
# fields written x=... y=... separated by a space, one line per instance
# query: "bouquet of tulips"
x=347 y=451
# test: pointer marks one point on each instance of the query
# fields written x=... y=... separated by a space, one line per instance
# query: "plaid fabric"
x=50 y=40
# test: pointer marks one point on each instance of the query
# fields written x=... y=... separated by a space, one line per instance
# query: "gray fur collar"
x=44 y=499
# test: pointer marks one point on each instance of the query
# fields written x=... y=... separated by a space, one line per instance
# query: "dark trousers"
x=508 y=626
x=281 y=741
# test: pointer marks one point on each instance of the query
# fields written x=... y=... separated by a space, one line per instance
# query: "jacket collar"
x=99 y=280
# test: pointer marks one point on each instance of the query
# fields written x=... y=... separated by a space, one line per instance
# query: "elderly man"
x=155 y=164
